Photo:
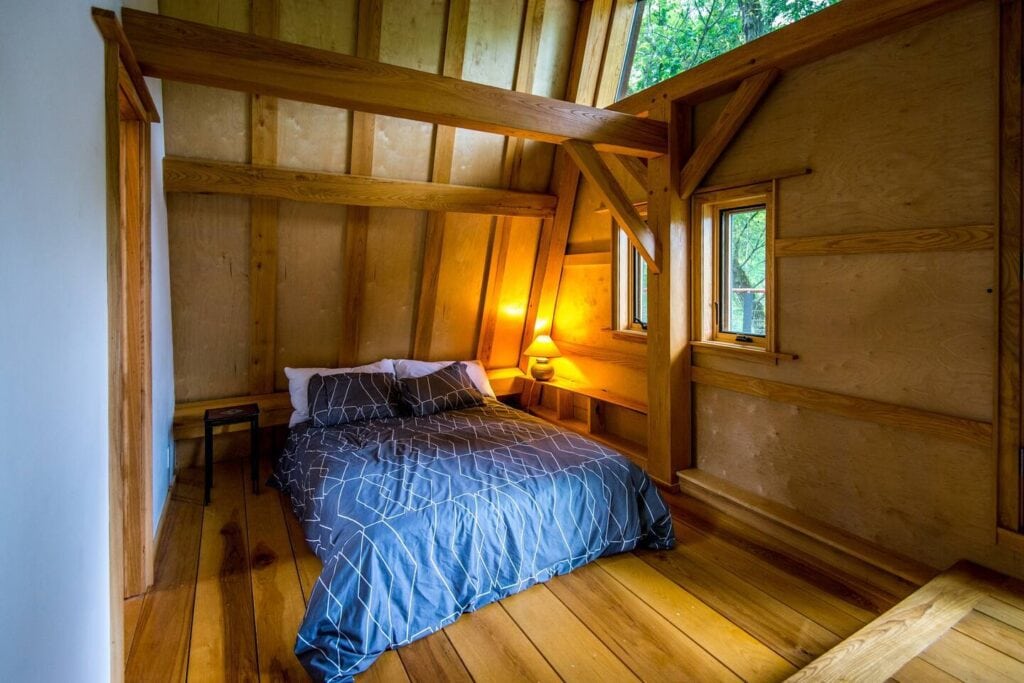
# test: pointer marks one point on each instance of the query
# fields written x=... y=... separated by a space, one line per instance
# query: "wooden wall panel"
x=311 y=136
x=308 y=286
x=515 y=292
x=917 y=105
x=209 y=262
x=393 y=260
x=929 y=498
x=460 y=286
x=910 y=329
x=492 y=46
x=900 y=134
x=210 y=122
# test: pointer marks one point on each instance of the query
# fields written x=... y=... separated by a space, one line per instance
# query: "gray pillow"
x=340 y=399
x=450 y=388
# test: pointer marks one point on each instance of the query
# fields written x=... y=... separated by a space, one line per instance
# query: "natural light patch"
x=676 y=35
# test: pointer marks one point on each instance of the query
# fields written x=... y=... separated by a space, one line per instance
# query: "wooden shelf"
x=598 y=394
x=632 y=450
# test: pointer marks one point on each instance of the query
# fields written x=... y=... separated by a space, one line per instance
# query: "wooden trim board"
x=111 y=30
x=963 y=238
x=852 y=407
x=174 y=49
x=220 y=177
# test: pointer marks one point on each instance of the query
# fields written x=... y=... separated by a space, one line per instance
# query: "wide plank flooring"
x=233 y=579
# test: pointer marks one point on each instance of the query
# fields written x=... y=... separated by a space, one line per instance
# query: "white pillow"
x=411 y=369
x=298 y=384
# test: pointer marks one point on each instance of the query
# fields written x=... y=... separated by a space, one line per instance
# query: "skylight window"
x=675 y=35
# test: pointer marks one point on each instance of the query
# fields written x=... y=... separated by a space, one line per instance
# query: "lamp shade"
x=542 y=347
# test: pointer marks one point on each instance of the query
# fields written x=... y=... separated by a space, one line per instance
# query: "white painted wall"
x=54 y=516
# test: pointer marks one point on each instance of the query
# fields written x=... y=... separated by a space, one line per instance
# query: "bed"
x=418 y=519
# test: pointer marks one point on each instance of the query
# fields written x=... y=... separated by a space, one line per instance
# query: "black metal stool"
x=216 y=417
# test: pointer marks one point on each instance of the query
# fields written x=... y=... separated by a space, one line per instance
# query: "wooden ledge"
x=597 y=393
x=747 y=353
x=772 y=517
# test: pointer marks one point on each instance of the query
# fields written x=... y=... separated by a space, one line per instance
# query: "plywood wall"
x=900 y=134
x=209 y=236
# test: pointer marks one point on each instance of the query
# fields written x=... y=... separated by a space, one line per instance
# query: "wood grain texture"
x=967 y=659
x=278 y=604
x=177 y=50
x=493 y=648
x=434 y=659
x=212 y=177
x=368 y=36
x=852 y=407
x=109 y=27
x=730 y=120
x=223 y=627
x=750 y=659
x=565 y=641
x=882 y=647
x=824 y=33
x=165 y=624
x=595 y=170
x=966 y=238
x=1008 y=266
x=635 y=632
x=668 y=300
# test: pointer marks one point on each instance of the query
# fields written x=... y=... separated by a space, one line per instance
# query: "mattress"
x=420 y=519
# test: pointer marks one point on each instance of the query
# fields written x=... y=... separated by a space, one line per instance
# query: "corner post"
x=668 y=334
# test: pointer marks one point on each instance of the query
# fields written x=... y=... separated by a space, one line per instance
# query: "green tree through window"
x=676 y=35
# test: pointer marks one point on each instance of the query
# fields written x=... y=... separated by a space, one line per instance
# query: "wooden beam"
x=1009 y=377
x=634 y=167
x=740 y=106
x=529 y=46
x=220 y=177
x=880 y=649
x=263 y=224
x=852 y=407
x=832 y=30
x=174 y=49
x=368 y=31
x=554 y=234
x=441 y=172
x=592 y=166
x=668 y=296
x=106 y=21
x=963 y=238
x=616 y=45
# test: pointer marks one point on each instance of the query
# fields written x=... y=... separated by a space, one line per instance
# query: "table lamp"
x=543 y=349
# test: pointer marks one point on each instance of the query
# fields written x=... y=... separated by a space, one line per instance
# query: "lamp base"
x=542 y=371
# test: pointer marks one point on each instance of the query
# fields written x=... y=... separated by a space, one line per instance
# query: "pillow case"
x=449 y=388
x=298 y=384
x=342 y=398
x=406 y=369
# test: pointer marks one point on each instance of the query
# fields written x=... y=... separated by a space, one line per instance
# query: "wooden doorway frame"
x=129 y=111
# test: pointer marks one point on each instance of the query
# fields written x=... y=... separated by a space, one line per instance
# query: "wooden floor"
x=232 y=581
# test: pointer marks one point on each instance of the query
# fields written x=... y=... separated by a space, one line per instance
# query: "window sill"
x=630 y=336
x=747 y=353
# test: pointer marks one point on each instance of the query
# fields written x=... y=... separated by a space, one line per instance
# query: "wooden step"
x=962 y=621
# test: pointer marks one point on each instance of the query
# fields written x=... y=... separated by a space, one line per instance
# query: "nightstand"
x=217 y=417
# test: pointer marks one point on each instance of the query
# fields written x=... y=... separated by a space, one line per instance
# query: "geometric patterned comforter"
x=419 y=519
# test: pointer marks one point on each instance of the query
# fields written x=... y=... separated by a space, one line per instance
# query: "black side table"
x=216 y=417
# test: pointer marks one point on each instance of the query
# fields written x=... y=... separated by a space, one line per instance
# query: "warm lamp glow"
x=542 y=347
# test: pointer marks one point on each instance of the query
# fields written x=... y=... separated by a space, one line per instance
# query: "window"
x=671 y=36
x=735 y=270
x=630 y=302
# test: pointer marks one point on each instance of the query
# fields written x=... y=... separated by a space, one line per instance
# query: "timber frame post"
x=669 y=416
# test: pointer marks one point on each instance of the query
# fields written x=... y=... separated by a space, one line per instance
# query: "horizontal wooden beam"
x=736 y=112
x=963 y=238
x=832 y=30
x=110 y=29
x=219 y=177
x=852 y=407
x=593 y=167
x=180 y=50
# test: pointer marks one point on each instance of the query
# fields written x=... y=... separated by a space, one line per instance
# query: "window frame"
x=708 y=208
x=626 y=294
